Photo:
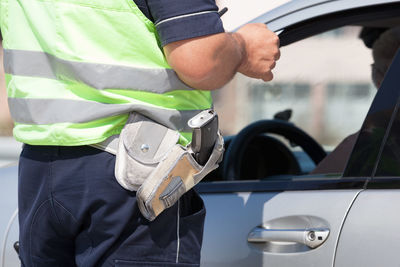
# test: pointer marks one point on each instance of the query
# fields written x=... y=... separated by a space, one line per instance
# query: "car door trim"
x=295 y=184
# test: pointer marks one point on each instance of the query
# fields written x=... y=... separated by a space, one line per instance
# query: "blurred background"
x=9 y=148
x=329 y=96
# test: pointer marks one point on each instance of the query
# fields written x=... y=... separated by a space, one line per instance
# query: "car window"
x=375 y=149
x=388 y=165
x=324 y=80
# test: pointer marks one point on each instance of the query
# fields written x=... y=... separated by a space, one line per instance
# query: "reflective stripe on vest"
x=50 y=111
x=99 y=76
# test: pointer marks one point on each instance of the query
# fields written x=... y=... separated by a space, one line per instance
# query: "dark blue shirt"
x=177 y=20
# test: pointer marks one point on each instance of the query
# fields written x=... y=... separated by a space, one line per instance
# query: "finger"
x=278 y=43
x=268 y=77
x=278 y=55
x=253 y=74
x=267 y=65
x=272 y=55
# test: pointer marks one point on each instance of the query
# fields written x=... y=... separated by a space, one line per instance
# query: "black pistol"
x=205 y=132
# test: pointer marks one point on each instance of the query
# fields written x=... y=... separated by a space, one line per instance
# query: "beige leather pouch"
x=142 y=145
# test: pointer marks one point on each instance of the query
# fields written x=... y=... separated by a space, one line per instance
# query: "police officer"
x=74 y=71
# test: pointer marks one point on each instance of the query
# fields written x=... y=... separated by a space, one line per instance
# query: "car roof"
x=300 y=10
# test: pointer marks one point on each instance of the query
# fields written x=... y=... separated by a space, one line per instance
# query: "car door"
x=275 y=222
x=373 y=221
x=299 y=221
x=314 y=220
x=269 y=223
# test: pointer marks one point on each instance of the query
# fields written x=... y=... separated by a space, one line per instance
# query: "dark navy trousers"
x=72 y=212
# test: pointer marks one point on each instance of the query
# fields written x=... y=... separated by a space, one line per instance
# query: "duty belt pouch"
x=175 y=175
x=149 y=161
x=142 y=145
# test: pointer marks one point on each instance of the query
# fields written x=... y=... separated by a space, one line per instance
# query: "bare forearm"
x=207 y=63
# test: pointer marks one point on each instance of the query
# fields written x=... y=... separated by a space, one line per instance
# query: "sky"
x=241 y=11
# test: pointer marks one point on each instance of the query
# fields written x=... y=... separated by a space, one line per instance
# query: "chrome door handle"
x=312 y=237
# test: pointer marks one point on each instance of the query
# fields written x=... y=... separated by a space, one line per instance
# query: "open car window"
x=325 y=81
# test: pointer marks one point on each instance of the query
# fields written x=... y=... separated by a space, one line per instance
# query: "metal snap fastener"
x=144 y=148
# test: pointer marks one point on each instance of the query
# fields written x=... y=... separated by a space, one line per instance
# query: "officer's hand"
x=261 y=48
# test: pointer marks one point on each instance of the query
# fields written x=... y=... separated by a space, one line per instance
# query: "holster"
x=149 y=160
x=174 y=176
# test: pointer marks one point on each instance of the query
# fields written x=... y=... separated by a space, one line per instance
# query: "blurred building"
x=9 y=148
x=5 y=119
x=325 y=80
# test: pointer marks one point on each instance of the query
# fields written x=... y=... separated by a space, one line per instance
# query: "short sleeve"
x=178 y=20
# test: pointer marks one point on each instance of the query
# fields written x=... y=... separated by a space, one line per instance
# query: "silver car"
x=343 y=219
x=262 y=215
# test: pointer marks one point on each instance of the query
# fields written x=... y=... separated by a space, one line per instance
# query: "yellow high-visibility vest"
x=76 y=68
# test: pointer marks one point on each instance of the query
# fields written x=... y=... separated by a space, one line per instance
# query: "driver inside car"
x=384 y=44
